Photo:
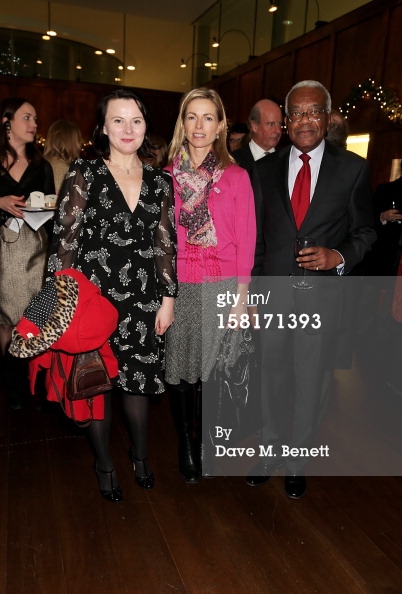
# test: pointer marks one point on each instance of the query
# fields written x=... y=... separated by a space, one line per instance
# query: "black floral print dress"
x=130 y=256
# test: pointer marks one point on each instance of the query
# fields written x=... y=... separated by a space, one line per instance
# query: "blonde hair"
x=63 y=141
x=223 y=157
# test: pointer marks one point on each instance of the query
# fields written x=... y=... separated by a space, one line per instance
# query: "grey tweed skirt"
x=193 y=340
x=23 y=259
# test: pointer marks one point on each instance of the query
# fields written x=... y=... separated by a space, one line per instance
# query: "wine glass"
x=301 y=243
x=396 y=208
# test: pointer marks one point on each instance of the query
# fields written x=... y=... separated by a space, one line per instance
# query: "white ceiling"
x=181 y=11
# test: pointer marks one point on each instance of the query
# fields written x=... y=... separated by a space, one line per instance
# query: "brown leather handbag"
x=88 y=376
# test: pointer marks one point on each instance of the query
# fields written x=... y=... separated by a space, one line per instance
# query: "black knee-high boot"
x=182 y=402
x=208 y=416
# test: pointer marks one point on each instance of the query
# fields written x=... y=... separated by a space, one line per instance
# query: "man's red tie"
x=301 y=191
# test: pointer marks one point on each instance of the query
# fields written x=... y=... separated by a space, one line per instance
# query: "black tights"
x=136 y=411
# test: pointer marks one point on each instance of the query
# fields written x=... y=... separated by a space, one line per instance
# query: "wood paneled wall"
x=342 y=54
x=76 y=101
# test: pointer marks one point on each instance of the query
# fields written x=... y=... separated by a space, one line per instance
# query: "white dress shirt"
x=257 y=151
x=295 y=164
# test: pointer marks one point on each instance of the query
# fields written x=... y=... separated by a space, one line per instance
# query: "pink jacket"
x=231 y=204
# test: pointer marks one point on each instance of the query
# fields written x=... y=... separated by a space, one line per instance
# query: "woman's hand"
x=164 y=316
x=11 y=203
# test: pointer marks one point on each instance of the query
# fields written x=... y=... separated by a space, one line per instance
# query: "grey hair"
x=255 y=114
x=313 y=84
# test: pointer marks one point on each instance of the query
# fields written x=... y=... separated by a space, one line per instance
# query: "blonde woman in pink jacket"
x=216 y=232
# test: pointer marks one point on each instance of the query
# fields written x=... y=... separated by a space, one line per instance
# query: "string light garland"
x=387 y=99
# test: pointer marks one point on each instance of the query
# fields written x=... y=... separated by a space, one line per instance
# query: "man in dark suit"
x=383 y=273
x=265 y=120
x=338 y=216
x=384 y=259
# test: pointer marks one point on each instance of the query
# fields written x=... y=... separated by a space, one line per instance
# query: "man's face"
x=268 y=131
x=306 y=135
x=234 y=140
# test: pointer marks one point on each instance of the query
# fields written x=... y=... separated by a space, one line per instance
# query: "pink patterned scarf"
x=195 y=185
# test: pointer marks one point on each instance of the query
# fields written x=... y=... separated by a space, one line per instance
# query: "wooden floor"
x=58 y=536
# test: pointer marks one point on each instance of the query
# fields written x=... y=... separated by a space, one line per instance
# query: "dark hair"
x=101 y=141
x=160 y=152
x=238 y=128
x=337 y=129
x=8 y=107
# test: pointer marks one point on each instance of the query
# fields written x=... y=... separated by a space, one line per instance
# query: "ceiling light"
x=78 y=66
x=98 y=52
x=215 y=42
x=39 y=60
x=50 y=32
x=208 y=63
x=45 y=37
x=130 y=67
x=110 y=51
x=120 y=67
x=273 y=7
x=287 y=22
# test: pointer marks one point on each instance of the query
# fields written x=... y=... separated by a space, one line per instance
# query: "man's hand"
x=319 y=258
x=390 y=216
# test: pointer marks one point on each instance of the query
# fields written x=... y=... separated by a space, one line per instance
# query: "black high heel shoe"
x=113 y=494
x=143 y=477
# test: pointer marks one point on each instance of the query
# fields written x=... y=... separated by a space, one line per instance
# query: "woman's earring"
x=7 y=126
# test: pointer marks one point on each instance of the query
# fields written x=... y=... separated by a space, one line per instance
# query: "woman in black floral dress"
x=115 y=224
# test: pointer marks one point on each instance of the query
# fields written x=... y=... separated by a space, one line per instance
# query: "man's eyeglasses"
x=312 y=114
x=273 y=124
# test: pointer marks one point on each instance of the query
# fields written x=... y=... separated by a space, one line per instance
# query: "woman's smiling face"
x=124 y=125
x=201 y=123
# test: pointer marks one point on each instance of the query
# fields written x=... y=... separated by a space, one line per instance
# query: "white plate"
x=38 y=208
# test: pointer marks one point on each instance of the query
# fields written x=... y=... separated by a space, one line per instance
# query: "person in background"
x=216 y=226
x=23 y=251
x=62 y=146
x=383 y=270
x=237 y=136
x=159 y=153
x=115 y=225
x=265 y=121
x=338 y=129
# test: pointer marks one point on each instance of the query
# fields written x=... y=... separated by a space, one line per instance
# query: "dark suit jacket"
x=384 y=258
x=244 y=157
x=340 y=215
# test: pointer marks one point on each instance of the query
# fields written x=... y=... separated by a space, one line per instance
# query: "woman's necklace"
x=18 y=158
x=195 y=166
x=126 y=169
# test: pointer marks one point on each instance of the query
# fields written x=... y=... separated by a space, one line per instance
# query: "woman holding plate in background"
x=23 y=251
